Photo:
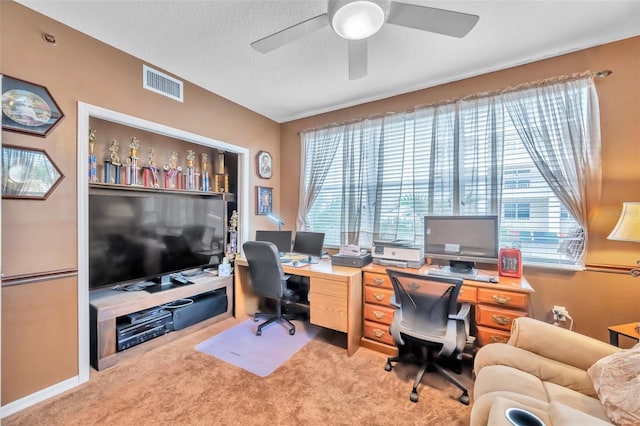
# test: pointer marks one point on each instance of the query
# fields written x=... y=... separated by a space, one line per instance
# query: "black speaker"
x=204 y=306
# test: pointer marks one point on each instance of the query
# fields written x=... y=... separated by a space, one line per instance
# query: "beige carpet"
x=178 y=385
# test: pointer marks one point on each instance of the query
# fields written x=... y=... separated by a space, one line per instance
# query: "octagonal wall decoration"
x=28 y=108
x=28 y=173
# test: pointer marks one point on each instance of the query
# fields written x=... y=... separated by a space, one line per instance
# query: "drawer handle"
x=502 y=300
x=378 y=333
x=501 y=319
x=413 y=286
x=379 y=296
x=498 y=339
x=378 y=281
x=378 y=314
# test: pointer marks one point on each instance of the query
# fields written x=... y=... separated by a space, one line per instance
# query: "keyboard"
x=473 y=276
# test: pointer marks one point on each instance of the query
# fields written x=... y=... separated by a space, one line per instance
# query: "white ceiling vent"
x=161 y=83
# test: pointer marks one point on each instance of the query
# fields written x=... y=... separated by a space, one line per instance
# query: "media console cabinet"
x=107 y=305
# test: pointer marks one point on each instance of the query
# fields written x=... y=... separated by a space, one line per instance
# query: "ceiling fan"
x=357 y=20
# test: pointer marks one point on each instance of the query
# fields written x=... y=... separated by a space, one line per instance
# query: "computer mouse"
x=296 y=263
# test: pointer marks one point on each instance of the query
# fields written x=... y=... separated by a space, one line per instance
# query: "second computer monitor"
x=309 y=243
x=282 y=239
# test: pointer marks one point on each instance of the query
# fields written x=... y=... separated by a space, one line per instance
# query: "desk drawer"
x=378 y=332
x=379 y=296
x=492 y=316
x=491 y=335
x=377 y=280
x=509 y=299
x=328 y=287
x=381 y=314
x=468 y=294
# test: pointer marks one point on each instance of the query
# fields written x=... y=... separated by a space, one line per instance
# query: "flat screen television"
x=137 y=236
x=463 y=240
x=282 y=239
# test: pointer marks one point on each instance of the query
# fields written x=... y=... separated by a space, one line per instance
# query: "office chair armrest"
x=393 y=302
x=462 y=314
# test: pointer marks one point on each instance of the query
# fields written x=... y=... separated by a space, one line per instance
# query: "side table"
x=629 y=330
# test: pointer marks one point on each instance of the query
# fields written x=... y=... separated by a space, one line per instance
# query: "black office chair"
x=426 y=320
x=269 y=281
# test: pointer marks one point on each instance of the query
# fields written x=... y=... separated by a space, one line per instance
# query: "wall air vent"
x=161 y=83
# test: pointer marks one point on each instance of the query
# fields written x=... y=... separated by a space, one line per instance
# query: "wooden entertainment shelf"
x=107 y=305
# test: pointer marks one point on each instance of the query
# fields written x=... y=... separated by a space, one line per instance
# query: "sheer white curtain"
x=559 y=125
x=529 y=155
x=316 y=155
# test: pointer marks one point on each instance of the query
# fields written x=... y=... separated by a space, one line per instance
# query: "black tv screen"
x=144 y=235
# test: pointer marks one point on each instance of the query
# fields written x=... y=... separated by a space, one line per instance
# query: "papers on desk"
x=296 y=263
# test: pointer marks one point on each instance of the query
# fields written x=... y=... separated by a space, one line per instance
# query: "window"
x=378 y=178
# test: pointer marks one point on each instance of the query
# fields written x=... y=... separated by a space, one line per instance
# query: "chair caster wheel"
x=464 y=399
x=413 y=397
x=387 y=366
x=259 y=333
x=292 y=331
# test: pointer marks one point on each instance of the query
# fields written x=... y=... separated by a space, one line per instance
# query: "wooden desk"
x=496 y=306
x=630 y=330
x=335 y=297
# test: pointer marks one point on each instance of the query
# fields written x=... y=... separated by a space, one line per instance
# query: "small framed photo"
x=265 y=199
x=28 y=108
x=264 y=166
x=510 y=262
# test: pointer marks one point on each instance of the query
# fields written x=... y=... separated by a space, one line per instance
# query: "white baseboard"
x=41 y=395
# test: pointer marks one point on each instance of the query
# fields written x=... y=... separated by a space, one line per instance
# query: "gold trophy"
x=232 y=247
x=133 y=161
x=205 y=173
x=190 y=184
x=171 y=170
x=93 y=176
x=153 y=170
x=114 y=155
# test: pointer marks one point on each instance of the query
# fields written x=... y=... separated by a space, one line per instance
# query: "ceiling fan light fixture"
x=356 y=19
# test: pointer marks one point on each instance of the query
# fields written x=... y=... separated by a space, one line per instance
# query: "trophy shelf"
x=226 y=196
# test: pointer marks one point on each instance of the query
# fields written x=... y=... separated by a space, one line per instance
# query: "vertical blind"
x=463 y=158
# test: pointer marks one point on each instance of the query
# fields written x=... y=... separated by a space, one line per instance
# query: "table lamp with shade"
x=628 y=228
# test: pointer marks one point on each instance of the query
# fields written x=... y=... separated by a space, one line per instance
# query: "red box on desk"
x=510 y=262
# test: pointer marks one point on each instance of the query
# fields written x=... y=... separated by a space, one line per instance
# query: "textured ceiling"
x=208 y=44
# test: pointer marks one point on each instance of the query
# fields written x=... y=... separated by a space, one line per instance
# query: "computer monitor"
x=309 y=243
x=282 y=239
x=463 y=240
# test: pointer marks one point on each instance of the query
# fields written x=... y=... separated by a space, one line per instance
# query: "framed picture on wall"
x=264 y=166
x=265 y=199
x=28 y=108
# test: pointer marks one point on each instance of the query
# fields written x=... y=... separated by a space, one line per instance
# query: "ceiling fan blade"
x=279 y=39
x=357 y=59
x=441 y=21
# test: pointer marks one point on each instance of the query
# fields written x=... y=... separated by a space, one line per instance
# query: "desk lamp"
x=628 y=228
x=276 y=219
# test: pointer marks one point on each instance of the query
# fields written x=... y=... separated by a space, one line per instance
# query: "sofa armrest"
x=543 y=368
x=557 y=343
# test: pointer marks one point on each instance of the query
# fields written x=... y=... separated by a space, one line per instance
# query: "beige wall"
x=39 y=237
x=594 y=299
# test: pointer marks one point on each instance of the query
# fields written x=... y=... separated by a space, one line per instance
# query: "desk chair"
x=426 y=320
x=268 y=281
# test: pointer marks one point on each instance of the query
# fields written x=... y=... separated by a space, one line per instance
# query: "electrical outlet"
x=560 y=313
